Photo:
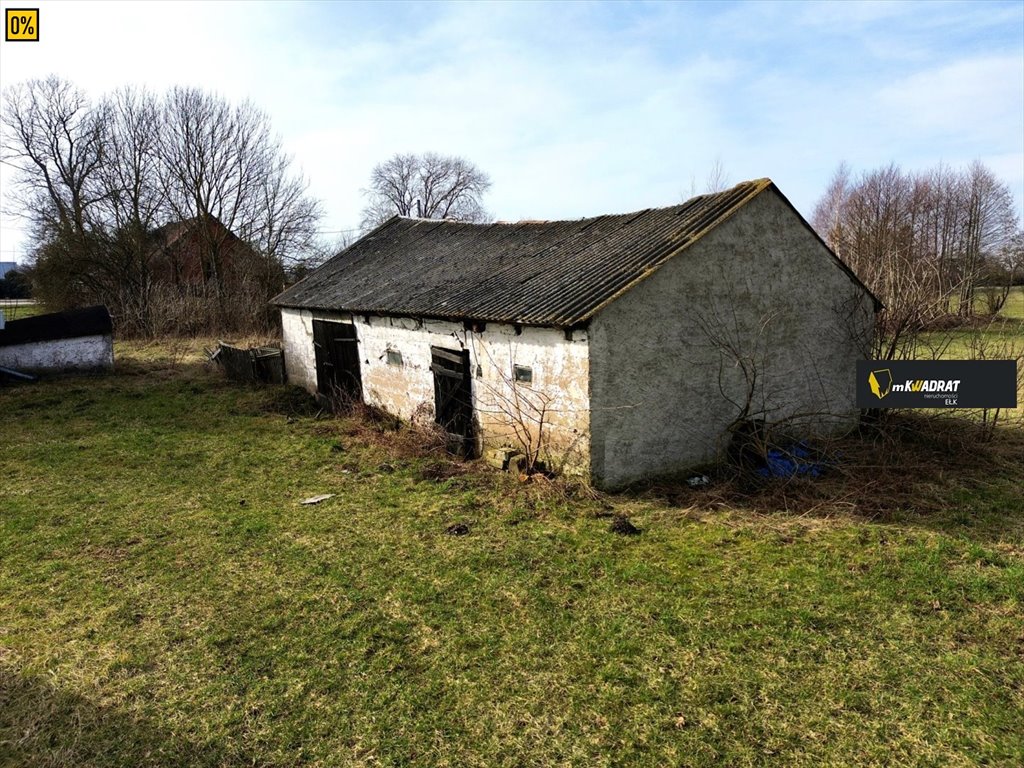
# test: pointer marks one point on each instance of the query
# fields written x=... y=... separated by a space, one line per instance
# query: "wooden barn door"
x=453 y=398
x=337 y=360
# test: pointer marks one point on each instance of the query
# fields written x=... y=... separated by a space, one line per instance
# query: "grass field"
x=996 y=338
x=165 y=600
x=1014 y=307
x=15 y=309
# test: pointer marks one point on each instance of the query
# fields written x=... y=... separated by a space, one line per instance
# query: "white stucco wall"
x=560 y=373
x=86 y=353
x=665 y=379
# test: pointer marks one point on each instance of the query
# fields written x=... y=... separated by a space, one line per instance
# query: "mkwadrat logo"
x=928 y=385
x=936 y=384
x=880 y=383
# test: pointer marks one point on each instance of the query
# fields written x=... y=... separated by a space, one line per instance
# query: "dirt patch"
x=289 y=401
x=622 y=526
x=441 y=470
x=110 y=553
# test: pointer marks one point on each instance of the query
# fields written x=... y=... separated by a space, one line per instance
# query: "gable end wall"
x=759 y=291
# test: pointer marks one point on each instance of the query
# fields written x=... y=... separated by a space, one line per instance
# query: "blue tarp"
x=795 y=460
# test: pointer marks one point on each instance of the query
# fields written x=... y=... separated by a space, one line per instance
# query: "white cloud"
x=574 y=109
x=972 y=101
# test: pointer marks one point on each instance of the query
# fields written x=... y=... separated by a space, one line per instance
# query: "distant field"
x=998 y=338
x=1014 y=307
x=165 y=600
x=17 y=309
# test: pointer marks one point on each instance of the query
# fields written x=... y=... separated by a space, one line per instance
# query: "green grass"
x=15 y=310
x=165 y=600
x=1014 y=307
x=997 y=338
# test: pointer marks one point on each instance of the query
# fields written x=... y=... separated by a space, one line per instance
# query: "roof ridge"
x=554 y=273
x=754 y=184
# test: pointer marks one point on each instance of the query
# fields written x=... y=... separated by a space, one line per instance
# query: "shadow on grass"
x=42 y=726
x=163 y=368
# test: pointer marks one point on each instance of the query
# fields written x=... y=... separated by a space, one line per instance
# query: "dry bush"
x=399 y=439
x=424 y=444
x=203 y=311
x=907 y=462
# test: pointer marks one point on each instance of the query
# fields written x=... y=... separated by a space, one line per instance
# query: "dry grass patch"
x=912 y=467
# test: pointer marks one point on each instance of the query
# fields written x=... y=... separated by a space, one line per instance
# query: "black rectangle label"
x=936 y=384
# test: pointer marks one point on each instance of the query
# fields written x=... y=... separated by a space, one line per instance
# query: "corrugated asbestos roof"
x=557 y=273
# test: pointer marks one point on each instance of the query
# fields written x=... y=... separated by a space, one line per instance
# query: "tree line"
x=181 y=211
x=183 y=214
x=15 y=285
x=100 y=181
x=927 y=243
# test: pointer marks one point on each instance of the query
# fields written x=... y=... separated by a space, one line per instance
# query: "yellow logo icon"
x=880 y=383
x=21 y=25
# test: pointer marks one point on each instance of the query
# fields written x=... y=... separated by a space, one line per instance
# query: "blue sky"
x=574 y=109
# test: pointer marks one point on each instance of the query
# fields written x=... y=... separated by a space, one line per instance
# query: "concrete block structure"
x=620 y=347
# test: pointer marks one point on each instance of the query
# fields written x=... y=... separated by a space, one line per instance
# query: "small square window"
x=394 y=357
x=523 y=375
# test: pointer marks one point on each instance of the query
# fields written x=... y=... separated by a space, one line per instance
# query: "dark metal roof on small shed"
x=73 y=324
x=556 y=273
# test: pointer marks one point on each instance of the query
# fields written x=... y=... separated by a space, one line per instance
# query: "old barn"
x=622 y=347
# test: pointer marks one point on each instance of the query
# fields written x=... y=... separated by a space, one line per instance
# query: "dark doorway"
x=453 y=398
x=337 y=361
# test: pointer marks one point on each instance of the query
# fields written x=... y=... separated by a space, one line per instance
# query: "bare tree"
x=286 y=217
x=1001 y=273
x=919 y=240
x=133 y=201
x=717 y=179
x=212 y=154
x=96 y=179
x=53 y=137
x=428 y=186
x=827 y=218
x=87 y=182
x=132 y=194
x=1011 y=258
x=223 y=160
x=225 y=170
x=990 y=224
